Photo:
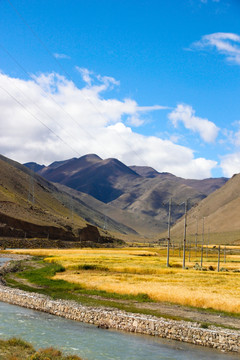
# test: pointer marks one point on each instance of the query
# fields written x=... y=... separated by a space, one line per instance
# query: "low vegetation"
x=143 y=273
x=17 y=349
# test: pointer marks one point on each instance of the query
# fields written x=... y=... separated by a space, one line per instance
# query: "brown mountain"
x=216 y=218
x=31 y=206
x=91 y=175
x=136 y=196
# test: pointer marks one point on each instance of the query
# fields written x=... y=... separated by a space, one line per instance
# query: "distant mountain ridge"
x=84 y=173
x=31 y=206
x=139 y=190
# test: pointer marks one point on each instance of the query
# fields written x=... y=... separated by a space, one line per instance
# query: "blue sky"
x=152 y=82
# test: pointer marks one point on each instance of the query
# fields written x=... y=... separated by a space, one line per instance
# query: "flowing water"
x=91 y=343
x=3 y=260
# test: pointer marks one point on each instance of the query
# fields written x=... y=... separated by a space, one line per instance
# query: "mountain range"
x=115 y=201
x=32 y=207
x=135 y=196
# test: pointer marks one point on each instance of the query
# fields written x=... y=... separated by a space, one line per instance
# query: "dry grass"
x=134 y=271
x=17 y=349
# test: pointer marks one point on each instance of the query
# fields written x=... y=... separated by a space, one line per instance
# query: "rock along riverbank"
x=218 y=338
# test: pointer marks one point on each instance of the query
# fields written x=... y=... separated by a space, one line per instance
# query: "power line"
x=66 y=73
x=46 y=93
x=31 y=195
x=38 y=38
x=60 y=106
x=49 y=52
x=35 y=117
x=44 y=112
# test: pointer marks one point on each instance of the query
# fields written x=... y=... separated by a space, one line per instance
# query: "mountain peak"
x=91 y=157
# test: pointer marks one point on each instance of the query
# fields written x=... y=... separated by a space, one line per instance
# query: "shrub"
x=19 y=342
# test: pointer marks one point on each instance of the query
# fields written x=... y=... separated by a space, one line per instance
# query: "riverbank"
x=222 y=339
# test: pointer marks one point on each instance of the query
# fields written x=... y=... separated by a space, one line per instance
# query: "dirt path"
x=201 y=316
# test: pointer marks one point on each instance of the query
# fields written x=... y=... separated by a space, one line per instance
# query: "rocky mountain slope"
x=216 y=218
x=135 y=196
x=31 y=206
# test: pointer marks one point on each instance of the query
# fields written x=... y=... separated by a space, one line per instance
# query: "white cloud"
x=185 y=113
x=225 y=43
x=86 y=75
x=61 y=56
x=237 y=138
x=87 y=123
x=230 y=164
x=231 y=137
x=105 y=82
x=206 y=1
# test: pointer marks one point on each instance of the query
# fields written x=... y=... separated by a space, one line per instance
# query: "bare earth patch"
x=200 y=316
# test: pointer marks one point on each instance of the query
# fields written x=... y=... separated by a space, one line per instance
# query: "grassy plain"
x=143 y=271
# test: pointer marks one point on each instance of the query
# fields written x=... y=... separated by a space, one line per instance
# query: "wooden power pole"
x=185 y=235
x=169 y=226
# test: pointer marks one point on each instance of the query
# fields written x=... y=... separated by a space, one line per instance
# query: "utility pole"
x=105 y=223
x=218 y=267
x=196 y=235
x=202 y=241
x=185 y=235
x=71 y=210
x=207 y=242
x=31 y=195
x=189 y=250
x=169 y=226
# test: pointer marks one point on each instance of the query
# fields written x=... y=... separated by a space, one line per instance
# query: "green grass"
x=57 y=288
x=17 y=342
x=38 y=273
x=60 y=289
x=18 y=349
x=90 y=267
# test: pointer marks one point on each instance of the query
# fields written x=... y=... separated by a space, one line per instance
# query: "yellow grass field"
x=135 y=270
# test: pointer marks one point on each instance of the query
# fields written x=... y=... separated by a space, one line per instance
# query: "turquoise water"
x=92 y=343
x=3 y=260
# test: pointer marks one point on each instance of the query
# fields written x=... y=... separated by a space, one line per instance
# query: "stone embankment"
x=224 y=340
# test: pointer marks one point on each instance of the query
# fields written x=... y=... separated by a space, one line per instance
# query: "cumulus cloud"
x=230 y=164
x=49 y=118
x=237 y=138
x=207 y=130
x=86 y=75
x=104 y=82
x=225 y=43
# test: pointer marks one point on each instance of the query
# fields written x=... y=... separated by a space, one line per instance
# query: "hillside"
x=135 y=196
x=126 y=221
x=30 y=206
x=220 y=211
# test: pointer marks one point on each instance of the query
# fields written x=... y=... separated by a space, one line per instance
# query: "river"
x=3 y=260
x=91 y=343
